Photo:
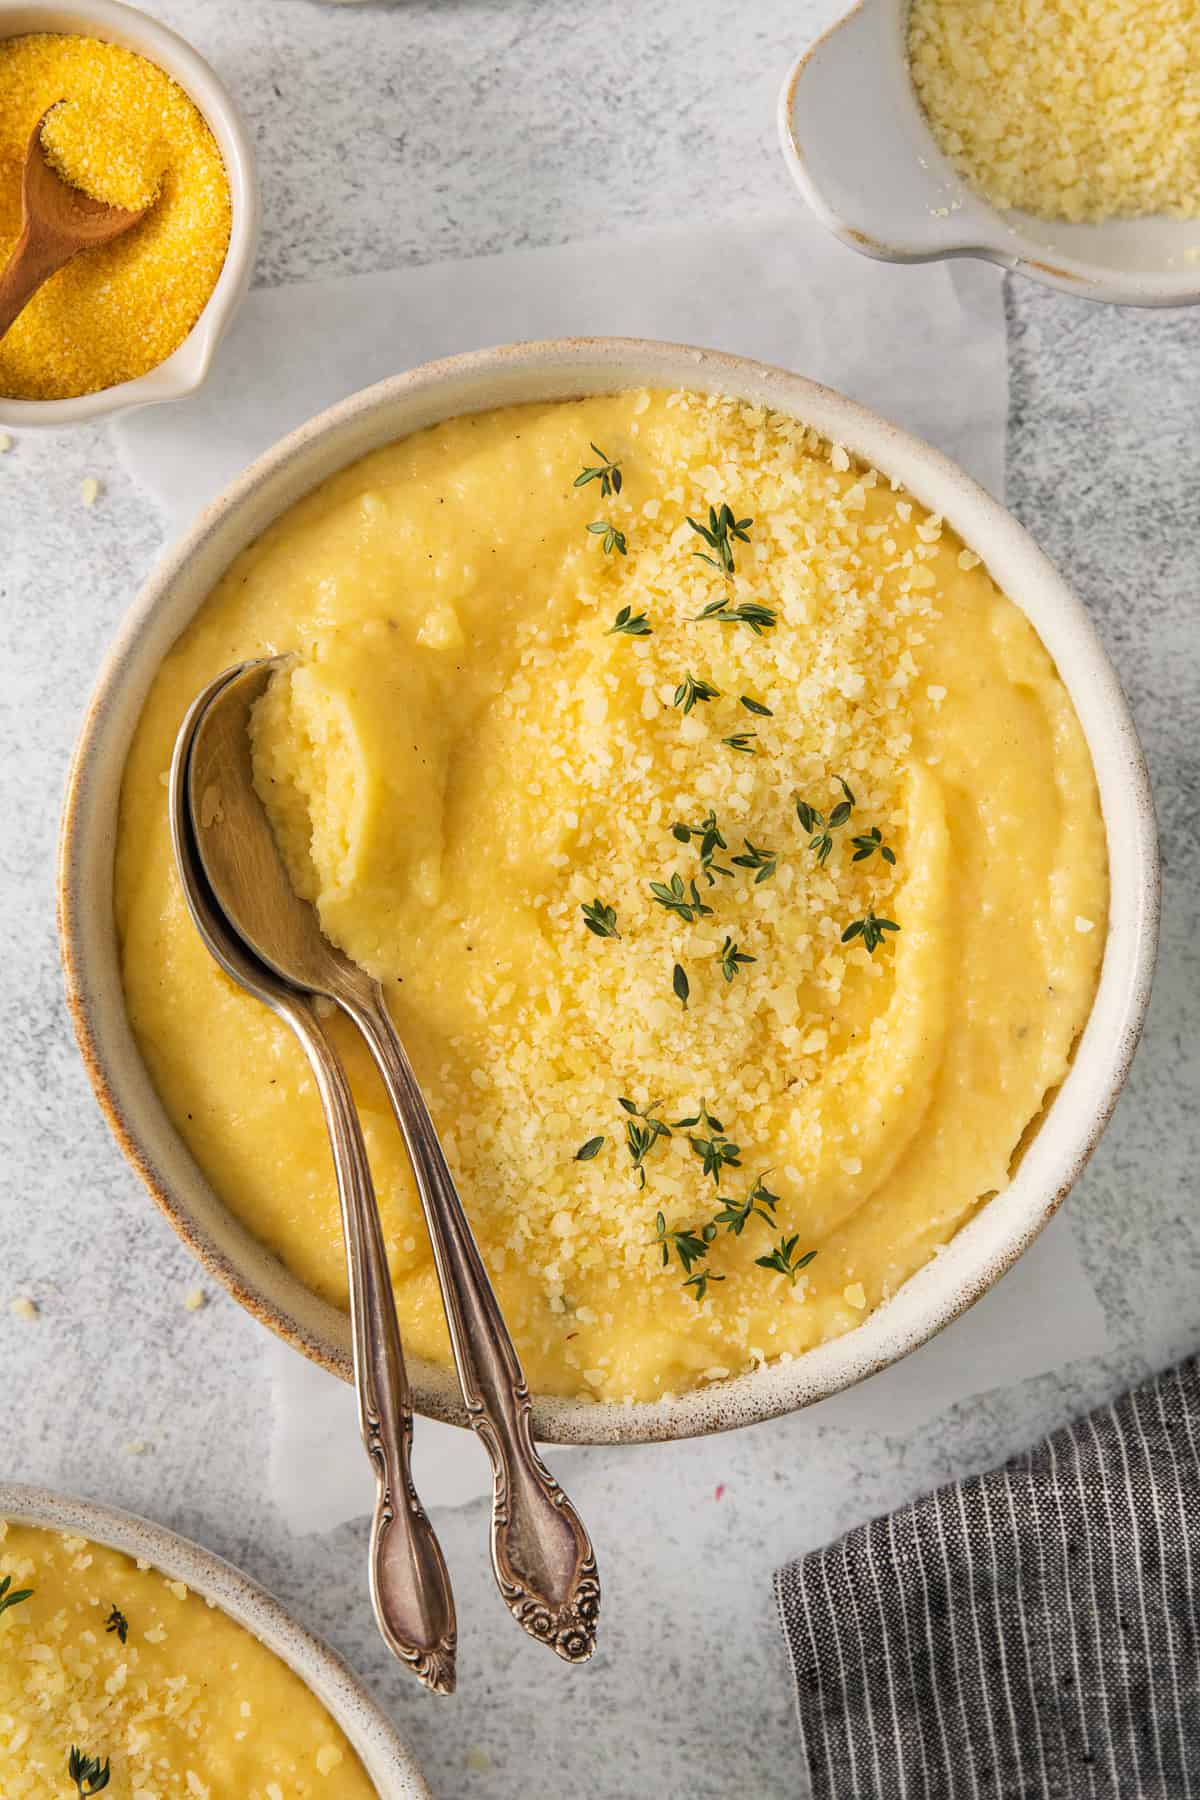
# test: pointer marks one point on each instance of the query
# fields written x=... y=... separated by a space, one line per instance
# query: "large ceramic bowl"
x=863 y=155
x=546 y=371
x=183 y=371
x=378 y=1745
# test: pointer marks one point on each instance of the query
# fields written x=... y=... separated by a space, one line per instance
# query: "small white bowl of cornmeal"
x=1062 y=143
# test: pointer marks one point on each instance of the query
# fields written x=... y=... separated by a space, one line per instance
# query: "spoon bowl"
x=57 y=222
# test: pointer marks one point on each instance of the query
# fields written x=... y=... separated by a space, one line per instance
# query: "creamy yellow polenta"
x=189 y=1707
x=467 y=754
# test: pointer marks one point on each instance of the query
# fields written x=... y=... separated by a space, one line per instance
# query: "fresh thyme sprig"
x=692 y=1245
x=811 y=820
x=710 y=842
x=116 y=1621
x=721 y=527
x=600 y=919
x=760 y=1203
x=608 y=474
x=755 y=617
x=10 y=1596
x=742 y=741
x=784 y=1259
x=689 y=1246
x=699 y=1283
x=593 y=1147
x=692 y=690
x=630 y=623
x=757 y=858
x=868 y=842
x=713 y=1148
x=732 y=958
x=613 y=539
x=679 y=982
x=88 y=1773
x=756 y=707
x=642 y=1132
x=870 y=930
x=678 y=899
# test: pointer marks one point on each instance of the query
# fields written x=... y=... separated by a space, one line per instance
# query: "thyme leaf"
x=721 y=527
x=870 y=930
x=713 y=1148
x=814 y=821
x=600 y=919
x=732 y=958
x=699 y=1283
x=88 y=1773
x=630 y=623
x=678 y=899
x=750 y=613
x=743 y=741
x=607 y=473
x=116 y=1621
x=757 y=858
x=710 y=842
x=868 y=842
x=585 y=1153
x=689 y=1246
x=613 y=539
x=691 y=691
x=756 y=707
x=784 y=1259
x=642 y=1132
x=10 y=1596
x=679 y=982
x=760 y=1203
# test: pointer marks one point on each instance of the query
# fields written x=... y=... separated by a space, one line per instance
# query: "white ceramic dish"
x=863 y=156
x=379 y=1746
x=489 y=378
x=185 y=369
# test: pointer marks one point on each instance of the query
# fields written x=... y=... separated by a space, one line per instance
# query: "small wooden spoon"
x=57 y=221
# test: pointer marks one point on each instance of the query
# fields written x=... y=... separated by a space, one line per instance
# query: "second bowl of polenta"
x=744 y=822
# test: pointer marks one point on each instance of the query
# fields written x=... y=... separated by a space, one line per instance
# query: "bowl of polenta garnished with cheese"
x=136 y=1663
x=746 y=826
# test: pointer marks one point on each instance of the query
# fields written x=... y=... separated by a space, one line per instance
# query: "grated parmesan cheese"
x=1069 y=111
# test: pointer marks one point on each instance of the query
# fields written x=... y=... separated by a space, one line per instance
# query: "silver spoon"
x=410 y=1588
x=541 y=1554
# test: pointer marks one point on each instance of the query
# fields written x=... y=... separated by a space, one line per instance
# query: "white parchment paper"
x=924 y=346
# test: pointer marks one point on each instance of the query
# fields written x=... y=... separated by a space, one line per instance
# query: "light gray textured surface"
x=452 y=128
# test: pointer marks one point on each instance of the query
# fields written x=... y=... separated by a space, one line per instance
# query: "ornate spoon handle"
x=542 y=1556
x=410 y=1587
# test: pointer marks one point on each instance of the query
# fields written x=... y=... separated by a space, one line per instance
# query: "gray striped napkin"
x=1025 y=1634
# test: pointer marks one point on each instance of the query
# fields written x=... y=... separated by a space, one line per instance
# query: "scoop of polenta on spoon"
x=57 y=222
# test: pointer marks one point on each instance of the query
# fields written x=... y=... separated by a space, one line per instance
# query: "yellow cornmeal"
x=126 y=134
x=1071 y=112
x=189 y=1706
x=466 y=755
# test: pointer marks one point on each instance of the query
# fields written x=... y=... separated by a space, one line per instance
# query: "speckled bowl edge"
x=987 y=1245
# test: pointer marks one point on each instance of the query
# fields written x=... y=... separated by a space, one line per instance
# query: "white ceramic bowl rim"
x=186 y=367
x=988 y=1244
x=862 y=153
x=375 y=1739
